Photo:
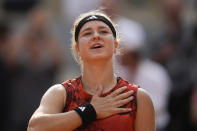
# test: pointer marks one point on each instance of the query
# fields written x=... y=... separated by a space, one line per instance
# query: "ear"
x=116 y=46
x=77 y=49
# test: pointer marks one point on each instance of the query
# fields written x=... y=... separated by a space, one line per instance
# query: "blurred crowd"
x=161 y=57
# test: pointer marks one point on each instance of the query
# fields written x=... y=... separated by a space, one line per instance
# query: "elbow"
x=31 y=125
x=35 y=124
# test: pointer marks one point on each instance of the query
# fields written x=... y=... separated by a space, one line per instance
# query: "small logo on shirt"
x=82 y=108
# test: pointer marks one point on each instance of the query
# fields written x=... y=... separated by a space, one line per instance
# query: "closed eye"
x=87 y=34
x=103 y=32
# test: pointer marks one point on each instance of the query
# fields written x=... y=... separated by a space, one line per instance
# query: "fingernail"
x=131 y=97
x=131 y=91
x=124 y=87
x=130 y=109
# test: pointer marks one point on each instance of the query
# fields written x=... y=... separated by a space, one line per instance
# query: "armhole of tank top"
x=136 y=96
x=65 y=93
x=66 y=101
x=136 y=104
x=137 y=89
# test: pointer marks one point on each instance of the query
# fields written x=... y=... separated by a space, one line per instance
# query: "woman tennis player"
x=98 y=100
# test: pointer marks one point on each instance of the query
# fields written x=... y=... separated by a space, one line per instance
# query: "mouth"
x=96 y=46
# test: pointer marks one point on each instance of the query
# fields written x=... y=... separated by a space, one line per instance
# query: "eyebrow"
x=100 y=27
x=87 y=29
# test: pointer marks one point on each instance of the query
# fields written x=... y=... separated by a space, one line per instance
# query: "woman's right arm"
x=48 y=116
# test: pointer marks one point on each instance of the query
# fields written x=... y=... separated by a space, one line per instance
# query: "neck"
x=100 y=74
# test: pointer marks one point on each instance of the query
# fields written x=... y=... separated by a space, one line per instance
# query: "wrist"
x=86 y=112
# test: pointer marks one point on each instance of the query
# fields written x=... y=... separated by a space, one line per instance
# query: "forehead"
x=94 y=24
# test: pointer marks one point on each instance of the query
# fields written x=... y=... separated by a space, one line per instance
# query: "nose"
x=96 y=36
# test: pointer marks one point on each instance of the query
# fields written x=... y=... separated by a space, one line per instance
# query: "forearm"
x=55 y=122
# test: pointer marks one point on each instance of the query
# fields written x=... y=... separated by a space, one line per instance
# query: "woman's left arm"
x=145 y=118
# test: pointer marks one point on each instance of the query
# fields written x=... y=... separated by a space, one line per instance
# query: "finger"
x=99 y=90
x=124 y=95
x=122 y=110
x=124 y=101
x=118 y=91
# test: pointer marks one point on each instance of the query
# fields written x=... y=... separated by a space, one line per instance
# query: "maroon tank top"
x=77 y=96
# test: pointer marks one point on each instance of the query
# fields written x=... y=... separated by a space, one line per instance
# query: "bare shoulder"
x=143 y=96
x=53 y=101
x=56 y=89
x=145 y=118
x=144 y=101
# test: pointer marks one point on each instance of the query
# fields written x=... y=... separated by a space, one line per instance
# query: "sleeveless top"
x=77 y=96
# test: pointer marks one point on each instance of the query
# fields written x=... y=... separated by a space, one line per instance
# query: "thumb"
x=99 y=90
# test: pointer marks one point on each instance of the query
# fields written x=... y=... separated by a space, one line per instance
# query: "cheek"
x=83 y=50
x=111 y=45
x=110 y=49
x=83 y=40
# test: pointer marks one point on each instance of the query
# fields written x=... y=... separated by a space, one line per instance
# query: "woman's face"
x=96 y=42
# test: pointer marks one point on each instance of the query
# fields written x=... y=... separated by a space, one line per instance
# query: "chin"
x=99 y=57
